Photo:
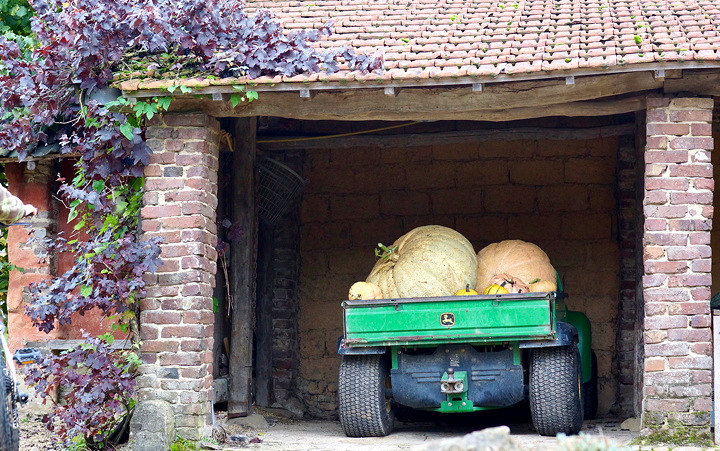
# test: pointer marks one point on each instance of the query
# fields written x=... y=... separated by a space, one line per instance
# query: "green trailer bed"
x=452 y=319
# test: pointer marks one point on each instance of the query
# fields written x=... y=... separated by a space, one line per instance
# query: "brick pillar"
x=32 y=186
x=677 y=203
x=627 y=174
x=176 y=319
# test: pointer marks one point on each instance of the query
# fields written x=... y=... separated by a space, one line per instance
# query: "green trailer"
x=460 y=354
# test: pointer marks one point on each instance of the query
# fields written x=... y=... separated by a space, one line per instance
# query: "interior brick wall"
x=557 y=194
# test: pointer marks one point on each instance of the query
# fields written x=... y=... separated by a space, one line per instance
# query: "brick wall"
x=177 y=317
x=558 y=194
x=678 y=210
x=32 y=187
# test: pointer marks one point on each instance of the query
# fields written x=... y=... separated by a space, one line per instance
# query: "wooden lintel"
x=451 y=137
x=499 y=101
x=702 y=83
x=327 y=107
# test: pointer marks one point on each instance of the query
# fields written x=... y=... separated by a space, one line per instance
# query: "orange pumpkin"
x=364 y=290
x=542 y=286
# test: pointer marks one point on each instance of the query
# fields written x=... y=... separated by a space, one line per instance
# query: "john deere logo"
x=447 y=319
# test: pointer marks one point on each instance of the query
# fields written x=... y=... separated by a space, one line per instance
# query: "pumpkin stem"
x=384 y=252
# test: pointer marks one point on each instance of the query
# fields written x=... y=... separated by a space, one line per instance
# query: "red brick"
x=689 y=308
x=690 y=335
x=657 y=197
x=667 y=183
x=666 y=295
x=701 y=294
x=161 y=184
x=667 y=128
x=692 y=143
x=183 y=331
x=160 y=211
x=654 y=365
x=691 y=170
x=198 y=208
x=662 y=323
x=691 y=391
x=201 y=184
x=675 y=156
x=703 y=404
x=161 y=157
x=652 y=267
x=675 y=211
x=702 y=348
x=186 y=222
x=168 y=265
x=701 y=198
x=688 y=252
x=160 y=346
x=656 y=115
x=690 y=115
x=700 y=321
x=656 y=308
x=150 y=225
x=693 y=363
x=656 y=142
x=149 y=332
x=666 y=239
x=161 y=317
x=690 y=280
x=701 y=129
x=185 y=359
x=688 y=225
x=701 y=184
x=198 y=317
x=667 y=405
x=702 y=265
x=700 y=238
x=655 y=280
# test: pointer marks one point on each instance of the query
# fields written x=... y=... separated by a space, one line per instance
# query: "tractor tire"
x=363 y=404
x=9 y=439
x=590 y=392
x=555 y=390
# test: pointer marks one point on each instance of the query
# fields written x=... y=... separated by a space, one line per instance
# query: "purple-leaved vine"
x=47 y=99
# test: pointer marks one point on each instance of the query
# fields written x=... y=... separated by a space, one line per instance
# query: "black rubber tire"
x=555 y=390
x=9 y=439
x=590 y=392
x=363 y=405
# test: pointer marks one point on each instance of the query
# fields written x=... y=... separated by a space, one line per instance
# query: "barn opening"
x=569 y=185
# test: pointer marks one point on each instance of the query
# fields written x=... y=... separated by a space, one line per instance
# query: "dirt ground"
x=285 y=434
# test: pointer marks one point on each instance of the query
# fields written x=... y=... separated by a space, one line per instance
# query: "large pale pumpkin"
x=425 y=262
x=523 y=260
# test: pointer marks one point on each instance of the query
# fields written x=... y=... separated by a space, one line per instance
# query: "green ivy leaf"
x=236 y=99
x=108 y=338
x=252 y=95
x=127 y=130
x=86 y=290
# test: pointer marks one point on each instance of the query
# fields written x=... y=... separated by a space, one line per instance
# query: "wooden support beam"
x=242 y=268
x=400 y=140
x=701 y=83
x=589 y=96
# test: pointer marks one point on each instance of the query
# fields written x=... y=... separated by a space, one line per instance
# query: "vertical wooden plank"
x=264 y=325
x=242 y=267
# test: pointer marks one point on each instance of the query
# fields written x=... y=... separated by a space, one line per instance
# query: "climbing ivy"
x=48 y=97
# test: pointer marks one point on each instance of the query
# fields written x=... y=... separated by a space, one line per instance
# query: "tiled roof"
x=447 y=39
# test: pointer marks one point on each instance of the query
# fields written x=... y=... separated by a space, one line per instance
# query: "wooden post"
x=242 y=268
x=264 y=325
